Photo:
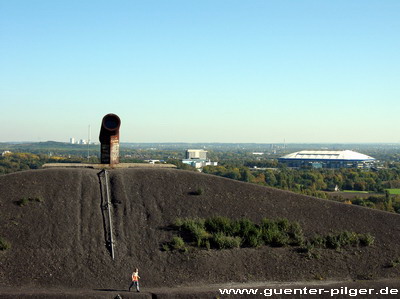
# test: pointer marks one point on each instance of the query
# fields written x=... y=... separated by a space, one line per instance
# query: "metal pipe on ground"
x=109 y=213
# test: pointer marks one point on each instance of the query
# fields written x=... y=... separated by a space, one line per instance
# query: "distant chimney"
x=109 y=139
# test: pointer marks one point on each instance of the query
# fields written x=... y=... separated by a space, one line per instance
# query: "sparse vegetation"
x=165 y=247
x=335 y=241
x=281 y=232
x=26 y=200
x=223 y=233
x=343 y=239
x=222 y=241
x=22 y=202
x=177 y=243
x=309 y=251
x=318 y=277
x=394 y=263
x=366 y=239
x=4 y=244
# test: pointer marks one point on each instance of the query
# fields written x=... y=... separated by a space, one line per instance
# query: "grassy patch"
x=393 y=191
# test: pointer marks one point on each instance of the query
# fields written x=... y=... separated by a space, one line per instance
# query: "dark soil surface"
x=58 y=241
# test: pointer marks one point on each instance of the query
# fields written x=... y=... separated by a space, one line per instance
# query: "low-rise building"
x=197 y=158
x=196 y=154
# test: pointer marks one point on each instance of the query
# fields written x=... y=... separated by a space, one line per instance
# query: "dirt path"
x=339 y=289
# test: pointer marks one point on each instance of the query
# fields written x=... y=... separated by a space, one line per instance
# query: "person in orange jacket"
x=135 y=280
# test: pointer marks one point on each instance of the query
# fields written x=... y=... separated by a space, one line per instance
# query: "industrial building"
x=197 y=158
x=328 y=159
x=196 y=154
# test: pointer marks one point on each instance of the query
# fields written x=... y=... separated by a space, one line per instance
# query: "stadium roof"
x=328 y=155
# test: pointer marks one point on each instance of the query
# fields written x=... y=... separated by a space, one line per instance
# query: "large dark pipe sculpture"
x=109 y=139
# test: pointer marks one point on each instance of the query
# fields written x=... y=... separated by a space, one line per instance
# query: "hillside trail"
x=214 y=290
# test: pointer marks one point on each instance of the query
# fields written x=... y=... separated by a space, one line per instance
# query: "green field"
x=393 y=191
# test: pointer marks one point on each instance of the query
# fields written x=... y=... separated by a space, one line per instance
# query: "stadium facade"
x=328 y=159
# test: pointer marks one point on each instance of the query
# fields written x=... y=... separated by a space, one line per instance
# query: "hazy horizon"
x=222 y=143
x=201 y=71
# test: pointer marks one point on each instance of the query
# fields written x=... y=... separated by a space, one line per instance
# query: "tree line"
x=313 y=179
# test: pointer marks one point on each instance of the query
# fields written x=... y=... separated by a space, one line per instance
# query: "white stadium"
x=328 y=159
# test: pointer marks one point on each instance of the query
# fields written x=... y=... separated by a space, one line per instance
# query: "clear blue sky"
x=201 y=71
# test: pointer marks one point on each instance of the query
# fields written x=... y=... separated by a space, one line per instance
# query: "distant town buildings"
x=72 y=140
x=328 y=159
x=193 y=154
x=197 y=158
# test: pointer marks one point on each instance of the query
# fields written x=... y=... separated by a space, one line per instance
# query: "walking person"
x=135 y=280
